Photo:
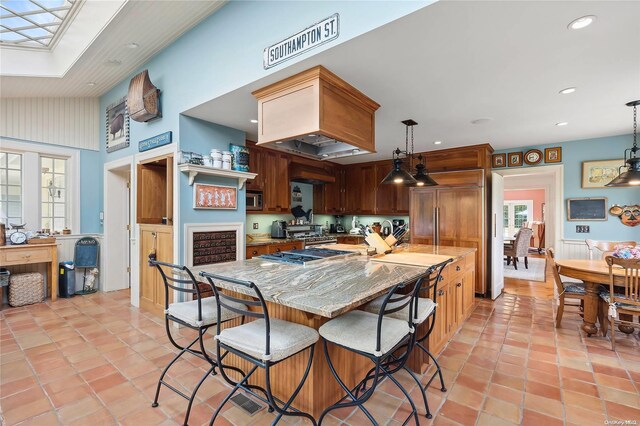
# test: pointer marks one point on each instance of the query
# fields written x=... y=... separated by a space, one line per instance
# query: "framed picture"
x=515 y=159
x=117 y=125
x=581 y=209
x=215 y=197
x=533 y=157
x=596 y=174
x=553 y=155
x=498 y=160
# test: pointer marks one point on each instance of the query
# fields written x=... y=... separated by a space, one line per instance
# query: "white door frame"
x=113 y=223
x=554 y=199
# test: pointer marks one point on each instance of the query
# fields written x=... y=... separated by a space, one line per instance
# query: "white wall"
x=72 y=122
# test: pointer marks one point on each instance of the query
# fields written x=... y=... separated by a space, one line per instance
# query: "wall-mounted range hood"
x=317 y=115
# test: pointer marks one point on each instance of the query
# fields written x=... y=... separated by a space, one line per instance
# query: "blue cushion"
x=575 y=288
x=605 y=297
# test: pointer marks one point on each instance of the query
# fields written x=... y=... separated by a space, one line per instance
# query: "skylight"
x=34 y=23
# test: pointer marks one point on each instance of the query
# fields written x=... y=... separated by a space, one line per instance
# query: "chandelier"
x=398 y=175
x=631 y=177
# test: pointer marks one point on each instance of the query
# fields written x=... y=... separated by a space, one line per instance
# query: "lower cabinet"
x=455 y=297
x=158 y=239
x=350 y=239
x=253 y=251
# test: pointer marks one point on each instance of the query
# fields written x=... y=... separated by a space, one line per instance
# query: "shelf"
x=193 y=170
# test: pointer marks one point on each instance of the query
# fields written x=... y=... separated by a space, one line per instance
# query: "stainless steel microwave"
x=254 y=200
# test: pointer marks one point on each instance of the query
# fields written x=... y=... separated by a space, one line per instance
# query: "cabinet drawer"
x=277 y=248
x=253 y=251
x=27 y=255
x=456 y=268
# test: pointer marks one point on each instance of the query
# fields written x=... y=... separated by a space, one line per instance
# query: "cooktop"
x=305 y=256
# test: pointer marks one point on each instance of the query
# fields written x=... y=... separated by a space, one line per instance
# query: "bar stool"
x=424 y=309
x=376 y=337
x=198 y=315
x=264 y=342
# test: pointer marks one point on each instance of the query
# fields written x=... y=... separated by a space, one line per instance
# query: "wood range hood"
x=317 y=115
x=309 y=174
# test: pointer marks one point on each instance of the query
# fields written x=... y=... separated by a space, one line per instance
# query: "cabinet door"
x=282 y=183
x=448 y=215
x=334 y=193
x=152 y=290
x=276 y=197
x=452 y=322
x=368 y=189
x=439 y=335
x=422 y=204
x=353 y=188
x=402 y=199
x=458 y=288
x=468 y=289
x=385 y=193
x=256 y=165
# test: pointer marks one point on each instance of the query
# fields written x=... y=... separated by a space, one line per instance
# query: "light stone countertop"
x=327 y=288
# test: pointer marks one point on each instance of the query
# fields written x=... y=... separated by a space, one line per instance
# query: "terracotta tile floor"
x=95 y=360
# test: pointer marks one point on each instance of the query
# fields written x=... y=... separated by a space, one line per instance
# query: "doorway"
x=117 y=225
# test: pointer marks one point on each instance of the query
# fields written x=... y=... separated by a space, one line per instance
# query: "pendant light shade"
x=630 y=176
x=398 y=175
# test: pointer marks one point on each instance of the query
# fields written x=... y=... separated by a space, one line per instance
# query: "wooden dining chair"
x=573 y=290
x=603 y=247
x=624 y=301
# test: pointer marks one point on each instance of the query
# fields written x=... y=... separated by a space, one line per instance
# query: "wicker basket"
x=25 y=289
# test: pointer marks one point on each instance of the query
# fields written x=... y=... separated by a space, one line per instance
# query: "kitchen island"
x=314 y=293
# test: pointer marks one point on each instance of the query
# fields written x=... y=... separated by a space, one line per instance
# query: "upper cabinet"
x=155 y=191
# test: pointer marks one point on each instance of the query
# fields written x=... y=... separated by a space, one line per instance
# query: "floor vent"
x=246 y=404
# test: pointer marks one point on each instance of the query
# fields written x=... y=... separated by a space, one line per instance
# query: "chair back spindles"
x=630 y=281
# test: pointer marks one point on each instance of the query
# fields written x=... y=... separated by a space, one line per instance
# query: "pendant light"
x=630 y=177
x=398 y=175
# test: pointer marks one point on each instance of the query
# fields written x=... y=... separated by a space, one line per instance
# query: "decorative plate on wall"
x=533 y=157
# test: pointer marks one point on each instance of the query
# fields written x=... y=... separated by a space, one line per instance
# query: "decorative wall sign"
x=553 y=155
x=596 y=174
x=514 y=159
x=215 y=197
x=311 y=37
x=154 y=142
x=498 y=160
x=533 y=157
x=629 y=215
x=117 y=125
x=581 y=209
x=213 y=247
x=144 y=98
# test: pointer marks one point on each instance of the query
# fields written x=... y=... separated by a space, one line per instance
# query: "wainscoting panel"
x=574 y=249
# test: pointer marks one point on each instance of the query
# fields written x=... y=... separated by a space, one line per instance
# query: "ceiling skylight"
x=34 y=23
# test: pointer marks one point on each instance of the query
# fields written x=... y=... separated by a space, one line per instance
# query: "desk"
x=593 y=273
x=34 y=253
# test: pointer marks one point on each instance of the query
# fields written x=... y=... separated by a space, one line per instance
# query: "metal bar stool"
x=264 y=342
x=423 y=309
x=376 y=337
x=198 y=315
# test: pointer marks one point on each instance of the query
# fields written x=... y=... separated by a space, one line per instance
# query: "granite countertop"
x=328 y=288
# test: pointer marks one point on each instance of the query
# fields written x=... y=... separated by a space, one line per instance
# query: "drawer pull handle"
x=440 y=292
x=459 y=285
x=255 y=252
x=457 y=268
x=277 y=250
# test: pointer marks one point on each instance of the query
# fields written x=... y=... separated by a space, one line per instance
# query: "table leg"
x=590 y=308
x=53 y=280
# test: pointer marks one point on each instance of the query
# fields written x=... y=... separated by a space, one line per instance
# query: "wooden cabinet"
x=390 y=198
x=256 y=165
x=440 y=335
x=155 y=190
x=452 y=216
x=273 y=179
x=360 y=188
x=329 y=198
x=253 y=251
x=157 y=238
x=350 y=239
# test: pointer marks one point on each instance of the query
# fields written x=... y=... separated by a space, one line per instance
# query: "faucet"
x=390 y=224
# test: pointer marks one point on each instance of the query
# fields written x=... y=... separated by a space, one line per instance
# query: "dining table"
x=593 y=273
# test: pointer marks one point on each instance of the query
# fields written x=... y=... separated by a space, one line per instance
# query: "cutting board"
x=412 y=259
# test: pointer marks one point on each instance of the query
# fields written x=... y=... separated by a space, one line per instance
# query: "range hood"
x=316 y=114
x=309 y=174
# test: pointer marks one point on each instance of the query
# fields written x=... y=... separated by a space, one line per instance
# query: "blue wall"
x=573 y=154
x=221 y=54
x=91 y=185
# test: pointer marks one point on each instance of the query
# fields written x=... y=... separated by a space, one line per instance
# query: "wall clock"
x=533 y=157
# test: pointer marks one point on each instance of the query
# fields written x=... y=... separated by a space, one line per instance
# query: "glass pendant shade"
x=398 y=176
x=422 y=177
x=629 y=178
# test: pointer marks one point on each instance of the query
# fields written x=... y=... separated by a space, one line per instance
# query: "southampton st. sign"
x=313 y=36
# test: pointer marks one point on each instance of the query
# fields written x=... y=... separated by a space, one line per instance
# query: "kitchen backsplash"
x=264 y=221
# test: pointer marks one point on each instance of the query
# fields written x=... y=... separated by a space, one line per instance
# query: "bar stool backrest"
x=231 y=303
x=394 y=302
x=429 y=281
x=188 y=285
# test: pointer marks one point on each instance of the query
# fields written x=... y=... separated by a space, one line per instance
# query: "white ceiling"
x=454 y=62
x=152 y=24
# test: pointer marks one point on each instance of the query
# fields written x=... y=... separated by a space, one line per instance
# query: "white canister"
x=217 y=163
x=216 y=154
x=208 y=161
x=226 y=164
x=226 y=156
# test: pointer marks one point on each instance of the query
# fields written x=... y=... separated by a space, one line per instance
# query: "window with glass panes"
x=10 y=188
x=53 y=197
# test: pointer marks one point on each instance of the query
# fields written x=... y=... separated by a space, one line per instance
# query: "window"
x=515 y=214
x=10 y=188
x=53 y=210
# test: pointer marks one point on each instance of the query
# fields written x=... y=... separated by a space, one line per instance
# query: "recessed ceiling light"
x=562 y=123
x=481 y=120
x=325 y=155
x=132 y=45
x=254 y=121
x=437 y=142
x=582 y=22
x=112 y=63
x=567 y=90
x=91 y=83
x=278 y=142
